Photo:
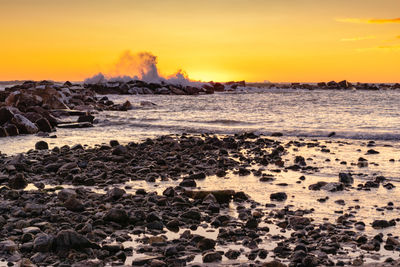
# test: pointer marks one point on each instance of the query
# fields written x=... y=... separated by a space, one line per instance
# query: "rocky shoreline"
x=79 y=206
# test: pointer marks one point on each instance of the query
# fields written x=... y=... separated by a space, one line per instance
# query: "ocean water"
x=364 y=115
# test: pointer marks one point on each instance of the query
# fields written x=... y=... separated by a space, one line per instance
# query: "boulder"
x=44 y=125
x=43 y=243
x=18 y=182
x=24 y=125
x=11 y=129
x=41 y=145
x=86 y=118
x=222 y=196
x=279 y=196
x=6 y=115
x=69 y=239
x=117 y=215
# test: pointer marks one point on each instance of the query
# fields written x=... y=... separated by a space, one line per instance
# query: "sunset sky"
x=255 y=40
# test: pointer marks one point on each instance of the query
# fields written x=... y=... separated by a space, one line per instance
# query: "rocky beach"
x=187 y=200
x=71 y=198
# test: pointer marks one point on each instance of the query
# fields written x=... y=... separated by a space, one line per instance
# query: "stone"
x=212 y=257
x=280 y=196
x=11 y=130
x=69 y=239
x=18 y=181
x=6 y=115
x=346 y=178
x=74 y=204
x=24 y=125
x=117 y=215
x=86 y=118
x=115 y=193
x=188 y=183
x=43 y=125
x=41 y=145
x=43 y=243
x=206 y=244
x=65 y=194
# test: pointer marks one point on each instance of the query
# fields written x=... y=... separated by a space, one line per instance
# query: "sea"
x=354 y=115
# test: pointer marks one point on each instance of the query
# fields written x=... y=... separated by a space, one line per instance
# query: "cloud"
x=390 y=47
x=368 y=21
x=361 y=38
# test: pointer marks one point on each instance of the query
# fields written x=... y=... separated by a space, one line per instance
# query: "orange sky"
x=255 y=40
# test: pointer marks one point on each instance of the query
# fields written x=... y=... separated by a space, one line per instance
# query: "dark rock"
x=18 y=182
x=43 y=243
x=41 y=145
x=206 y=244
x=69 y=239
x=117 y=215
x=280 y=196
x=74 y=204
x=346 y=178
x=43 y=125
x=188 y=183
x=212 y=257
x=86 y=118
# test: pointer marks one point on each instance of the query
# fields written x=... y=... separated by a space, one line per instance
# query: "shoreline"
x=186 y=173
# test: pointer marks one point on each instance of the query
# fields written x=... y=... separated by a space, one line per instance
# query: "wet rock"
x=6 y=115
x=65 y=194
x=74 y=204
x=11 y=129
x=18 y=181
x=279 y=196
x=222 y=196
x=43 y=125
x=212 y=257
x=117 y=215
x=41 y=145
x=24 y=125
x=380 y=224
x=86 y=118
x=43 y=243
x=8 y=246
x=206 y=244
x=188 y=183
x=115 y=193
x=346 y=178
x=232 y=254
x=69 y=239
x=298 y=222
x=274 y=264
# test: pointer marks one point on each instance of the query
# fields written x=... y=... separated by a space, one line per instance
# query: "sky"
x=220 y=40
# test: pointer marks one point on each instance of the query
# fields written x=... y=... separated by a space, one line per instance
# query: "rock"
x=43 y=125
x=24 y=125
x=212 y=257
x=274 y=264
x=346 y=178
x=344 y=84
x=222 y=196
x=206 y=244
x=333 y=187
x=372 y=152
x=115 y=193
x=8 y=246
x=232 y=254
x=11 y=130
x=74 y=204
x=280 y=196
x=43 y=243
x=75 y=125
x=3 y=132
x=18 y=182
x=188 y=183
x=193 y=214
x=41 y=145
x=65 y=194
x=86 y=118
x=69 y=239
x=117 y=215
x=298 y=222
x=380 y=224
x=6 y=115
x=120 y=150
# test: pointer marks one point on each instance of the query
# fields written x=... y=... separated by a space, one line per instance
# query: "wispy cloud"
x=390 y=47
x=368 y=21
x=383 y=48
x=360 y=38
